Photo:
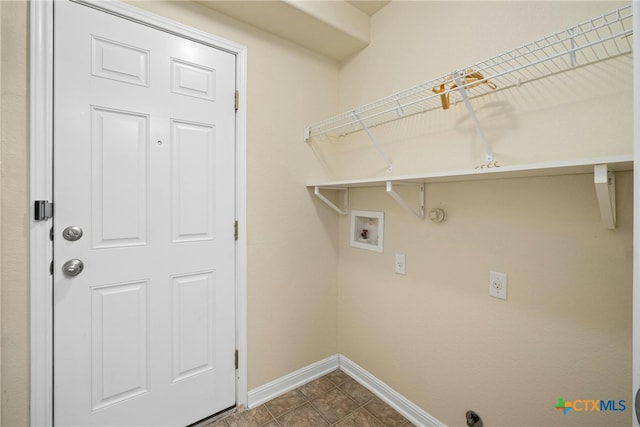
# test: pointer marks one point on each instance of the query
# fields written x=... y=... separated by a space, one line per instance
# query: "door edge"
x=635 y=379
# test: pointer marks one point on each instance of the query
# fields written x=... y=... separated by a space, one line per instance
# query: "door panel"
x=119 y=177
x=193 y=80
x=120 y=342
x=194 y=339
x=193 y=181
x=116 y=61
x=144 y=163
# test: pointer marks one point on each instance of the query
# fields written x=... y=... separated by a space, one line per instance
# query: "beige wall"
x=1 y=123
x=15 y=215
x=292 y=277
x=435 y=335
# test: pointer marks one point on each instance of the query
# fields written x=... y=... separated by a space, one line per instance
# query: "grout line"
x=272 y=417
x=308 y=400
x=316 y=409
x=372 y=414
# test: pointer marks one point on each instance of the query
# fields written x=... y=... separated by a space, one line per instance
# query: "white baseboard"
x=405 y=407
x=275 y=388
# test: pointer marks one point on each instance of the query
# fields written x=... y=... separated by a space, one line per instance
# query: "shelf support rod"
x=572 y=52
x=605 y=182
x=465 y=97
x=345 y=198
x=374 y=142
x=398 y=198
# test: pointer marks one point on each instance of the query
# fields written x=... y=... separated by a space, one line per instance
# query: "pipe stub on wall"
x=436 y=215
x=473 y=419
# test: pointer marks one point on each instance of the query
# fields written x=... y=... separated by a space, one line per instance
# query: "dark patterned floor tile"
x=303 y=415
x=219 y=423
x=255 y=417
x=357 y=392
x=334 y=405
x=288 y=401
x=385 y=413
x=316 y=387
x=360 y=418
x=338 y=377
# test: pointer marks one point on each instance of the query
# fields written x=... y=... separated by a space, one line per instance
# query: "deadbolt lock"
x=72 y=233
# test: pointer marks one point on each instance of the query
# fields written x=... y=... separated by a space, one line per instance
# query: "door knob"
x=73 y=267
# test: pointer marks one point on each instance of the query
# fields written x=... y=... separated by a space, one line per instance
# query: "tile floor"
x=332 y=400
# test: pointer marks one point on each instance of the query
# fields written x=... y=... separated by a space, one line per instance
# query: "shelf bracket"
x=605 y=182
x=345 y=198
x=373 y=141
x=402 y=202
x=465 y=97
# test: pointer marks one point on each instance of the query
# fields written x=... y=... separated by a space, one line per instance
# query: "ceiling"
x=370 y=7
x=336 y=29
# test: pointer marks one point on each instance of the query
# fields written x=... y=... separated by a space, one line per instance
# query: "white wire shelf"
x=598 y=39
x=556 y=168
x=602 y=168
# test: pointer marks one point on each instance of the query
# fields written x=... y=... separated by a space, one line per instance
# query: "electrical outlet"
x=498 y=285
x=401 y=265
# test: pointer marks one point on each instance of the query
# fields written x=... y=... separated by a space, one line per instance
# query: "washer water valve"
x=436 y=215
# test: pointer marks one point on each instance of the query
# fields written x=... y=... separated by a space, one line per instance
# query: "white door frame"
x=636 y=211
x=41 y=175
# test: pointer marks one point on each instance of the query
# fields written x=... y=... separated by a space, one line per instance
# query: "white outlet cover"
x=498 y=285
x=401 y=264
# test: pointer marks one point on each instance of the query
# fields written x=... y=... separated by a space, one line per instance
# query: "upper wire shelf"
x=598 y=39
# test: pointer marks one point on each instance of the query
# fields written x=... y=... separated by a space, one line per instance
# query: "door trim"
x=635 y=380
x=41 y=188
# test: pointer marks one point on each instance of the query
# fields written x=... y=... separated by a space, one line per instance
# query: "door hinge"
x=51 y=268
x=236 y=359
x=236 y=100
x=235 y=230
x=43 y=210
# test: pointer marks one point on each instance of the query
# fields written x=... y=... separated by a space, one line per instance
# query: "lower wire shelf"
x=603 y=169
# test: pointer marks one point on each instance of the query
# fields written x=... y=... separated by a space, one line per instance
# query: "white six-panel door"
x=144 y=156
